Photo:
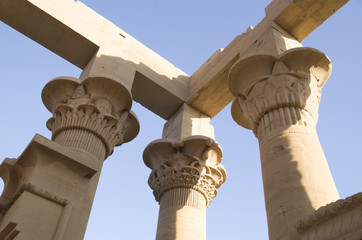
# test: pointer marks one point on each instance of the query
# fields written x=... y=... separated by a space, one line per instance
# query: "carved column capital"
x=278 y=98
x=276 y=91
x=93 y=115
x=192 y=163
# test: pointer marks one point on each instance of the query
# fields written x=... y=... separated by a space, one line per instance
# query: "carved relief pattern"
x=330 y=211
x=83 y=115
x=280 y=100
x=182 y=170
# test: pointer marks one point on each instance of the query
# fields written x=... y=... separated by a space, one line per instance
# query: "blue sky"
x=186 y=33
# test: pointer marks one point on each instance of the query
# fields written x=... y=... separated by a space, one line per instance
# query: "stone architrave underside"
x=274 y=82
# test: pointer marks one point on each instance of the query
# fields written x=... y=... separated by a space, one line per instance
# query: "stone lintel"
x=43 y=27
x=209 y=90
x=144 y=90
x=290 y=21
x=84 y=38
x=300 y=18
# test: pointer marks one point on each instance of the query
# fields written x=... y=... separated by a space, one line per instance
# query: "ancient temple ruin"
x=273 y=82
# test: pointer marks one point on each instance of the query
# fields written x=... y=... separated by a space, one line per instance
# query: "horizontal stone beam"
x=86 y=39
x=48 y=31
x=286 y=23
x=301 y=17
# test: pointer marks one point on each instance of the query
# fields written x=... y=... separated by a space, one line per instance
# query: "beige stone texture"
x=49 y=189
x=185 y=178
x=209 y=90
x=48 y=192
x=286 y=23
x=86 y=39
x=81 y=36
x=278 y=98
x=187 y=122
x=338 y=220
x=92 y=116
x=300 y=18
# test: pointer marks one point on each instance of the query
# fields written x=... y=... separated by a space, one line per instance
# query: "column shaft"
x=278 y=98
x=182 y=215
x=84 y=140
x=296 y=178
x=185 y=177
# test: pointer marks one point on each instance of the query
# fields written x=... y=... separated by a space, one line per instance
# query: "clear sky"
x=186 y=33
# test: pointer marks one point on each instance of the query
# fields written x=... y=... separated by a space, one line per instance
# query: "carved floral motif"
x=193 y=163
x=273 y=92
x=96 y=108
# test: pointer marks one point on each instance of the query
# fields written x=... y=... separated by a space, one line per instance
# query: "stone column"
x=90 y=117
x=278 y=98
x=49 y=190
x=185 y=177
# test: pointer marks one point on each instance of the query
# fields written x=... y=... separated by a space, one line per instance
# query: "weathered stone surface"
x=48 y=192
x=185 y=177
x=278 y=98
x=263 y=83
x=341 y=219
x=92 y=115
x=86 y=39
x=186 y=122
x=81 y=36
x=50 y=188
